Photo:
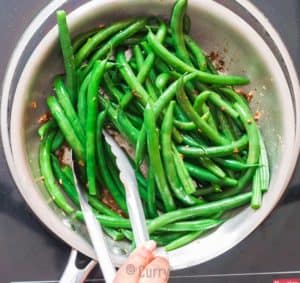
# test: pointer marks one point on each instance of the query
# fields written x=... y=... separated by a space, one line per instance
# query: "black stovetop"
x=29 y=252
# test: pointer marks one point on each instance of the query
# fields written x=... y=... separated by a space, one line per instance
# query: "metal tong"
x=72 y=273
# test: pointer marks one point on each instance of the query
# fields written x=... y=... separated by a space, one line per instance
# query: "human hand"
x=143 y=266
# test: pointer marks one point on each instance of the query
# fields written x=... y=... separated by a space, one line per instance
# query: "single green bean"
x=182 y=67
x=184 y=240
x=176 y=25
x=151 y=193
x=98 y=38
x=91 y=122
x=199 y=210
x=67 y=51
x=205 y=175
x=46 y=127
x=82 y=100
x=197 y=52
x=215 y=151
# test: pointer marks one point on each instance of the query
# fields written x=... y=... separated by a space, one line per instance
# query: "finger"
x=131 y=270
x=157 y=271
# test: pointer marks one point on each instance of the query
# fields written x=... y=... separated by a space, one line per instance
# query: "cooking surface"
x=30 y=253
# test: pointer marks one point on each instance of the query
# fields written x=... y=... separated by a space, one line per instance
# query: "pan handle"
x=73 y=274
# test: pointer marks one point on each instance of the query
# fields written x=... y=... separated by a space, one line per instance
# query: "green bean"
x=120 y=121
x=110 y=159
x=82 y=100
x=101 y=208
x=176 y=25
x=205 y=191
x=191 y=142
x=64 y=181
x=126 y=99
x=98 y=38
x=115 y=41
x=184 y=240
x=205 y=175
x=199 y=210
x=67 y=170
x=130 y=78
x=65 y=102
x=234 y=164
x=197 y=52
x=218 y=101
x=49 y=179
x=194 y=225
x=185 y=126
x=46 y=127
x=65 y=127
x=111 y=88
x=149 y=61
x=151 y=193
x=136 y=121
x=67 y=51
x=108 y=221
x=192 y=114
x=57 y=141
x=214 y=151
x=212 y=167
x=155 y=158
x=183 y=173
x=261 y=177
x=107 y=179
x=127 y=234
x=187 y=24
x=143 y=72
x=114 y=234
x=224 y=126
x=91 y=122
x=253 y=148
x=182 y=67
x=169 y=165
x=264 y=171
x=164 y=239
x=80 y=39
x=162 y=80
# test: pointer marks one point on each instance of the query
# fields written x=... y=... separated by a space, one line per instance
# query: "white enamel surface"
x=213 y=26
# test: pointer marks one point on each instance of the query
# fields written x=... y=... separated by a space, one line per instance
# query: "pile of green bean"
x=150 y=82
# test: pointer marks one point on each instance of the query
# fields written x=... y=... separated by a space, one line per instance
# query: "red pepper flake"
x=102 y=26
x=33 y=105
x=44 y=118
x=256 y=116
x=248 y=95
x=217 y=61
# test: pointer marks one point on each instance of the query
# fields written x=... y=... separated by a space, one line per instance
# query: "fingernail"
x=150 y=245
